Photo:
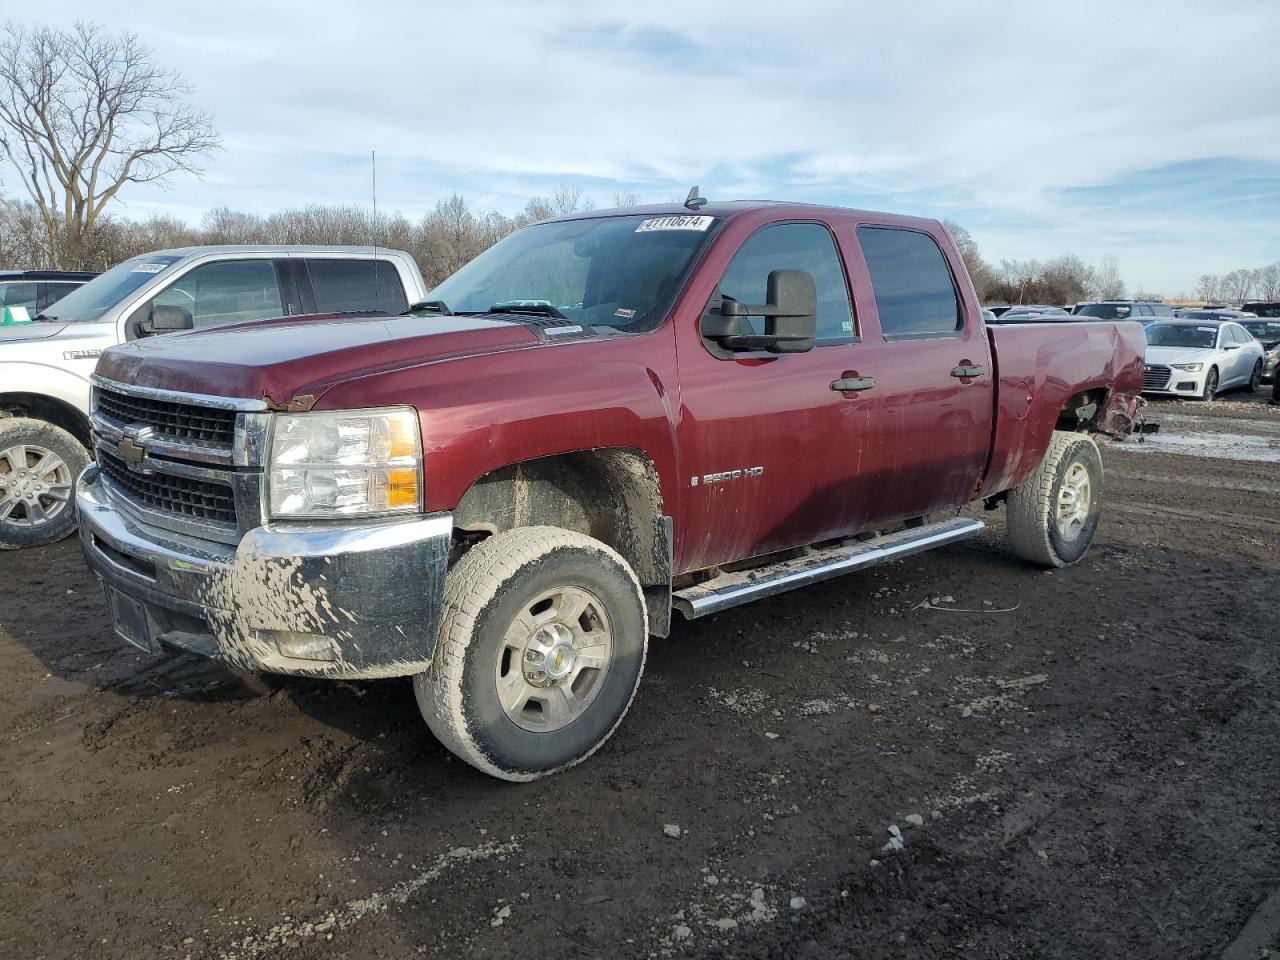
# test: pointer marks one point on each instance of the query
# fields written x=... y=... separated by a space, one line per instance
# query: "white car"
x=45 y=362
x=1201 y=358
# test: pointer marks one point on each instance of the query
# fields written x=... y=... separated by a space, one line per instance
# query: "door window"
x=793 y=246
x=915 y=295
x=230 y=291
x=55 y=291
x=357 y=286
x=18 y=294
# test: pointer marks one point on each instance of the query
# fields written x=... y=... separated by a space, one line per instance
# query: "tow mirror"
x=166 y=319
x=791 y=317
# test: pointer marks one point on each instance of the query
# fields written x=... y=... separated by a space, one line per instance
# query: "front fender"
x=57 y=382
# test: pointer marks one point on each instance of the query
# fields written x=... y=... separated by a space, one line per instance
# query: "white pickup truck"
x=45 y=364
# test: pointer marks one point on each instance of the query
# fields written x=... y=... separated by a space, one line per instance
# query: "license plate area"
x=131 y=623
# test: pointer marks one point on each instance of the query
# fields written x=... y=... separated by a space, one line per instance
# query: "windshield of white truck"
x=617 y=272
x=89 y=302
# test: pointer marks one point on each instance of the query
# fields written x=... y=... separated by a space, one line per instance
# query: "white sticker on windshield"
x=674 y=223
x=1207 y=329
x=149 y=267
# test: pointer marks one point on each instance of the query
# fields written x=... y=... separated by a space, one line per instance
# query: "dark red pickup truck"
x=600 y=420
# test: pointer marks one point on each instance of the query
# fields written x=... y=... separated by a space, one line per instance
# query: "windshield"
x=1106 y=311
x=1181 y=335
x=617 y=272
x=1264 y=330
x=89 y=302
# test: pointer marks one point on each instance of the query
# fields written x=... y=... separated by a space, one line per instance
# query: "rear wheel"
x=541 y=646
x=1255 y=380
x=1053 y=515
x=39 y=464
x=1210 y=385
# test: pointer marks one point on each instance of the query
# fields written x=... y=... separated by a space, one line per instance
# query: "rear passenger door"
x=346 y=285
x=929 y=416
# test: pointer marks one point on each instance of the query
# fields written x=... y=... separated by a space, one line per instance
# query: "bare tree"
x=82 y=113
x=625 y=198
x=1236 y=285
x=1108 y=284
x=1268 y=287
x=1209 y=286
x=981 y=274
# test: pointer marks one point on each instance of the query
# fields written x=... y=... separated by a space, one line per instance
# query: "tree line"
x=1262 y=283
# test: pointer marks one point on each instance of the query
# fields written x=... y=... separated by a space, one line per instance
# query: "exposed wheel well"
x=39 y=407
x=1082 y=410
x=612 y=494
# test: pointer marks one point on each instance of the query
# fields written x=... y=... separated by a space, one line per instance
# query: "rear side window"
x=793 y=246
x=357 y=285
x=55 y=291
x=915 y=295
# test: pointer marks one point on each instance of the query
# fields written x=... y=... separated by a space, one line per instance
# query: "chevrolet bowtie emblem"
x=132 y=447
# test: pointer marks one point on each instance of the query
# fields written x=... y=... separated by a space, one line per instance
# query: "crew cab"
x=601 y=421
x=45 y=364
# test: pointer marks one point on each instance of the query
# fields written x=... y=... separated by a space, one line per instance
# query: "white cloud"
x=989 y=106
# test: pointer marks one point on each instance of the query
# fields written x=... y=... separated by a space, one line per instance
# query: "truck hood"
x=1179 y=354
x=30 y=331
x=294 y=360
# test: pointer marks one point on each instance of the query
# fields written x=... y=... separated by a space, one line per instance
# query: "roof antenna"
x=373 y=171
x=693 y=201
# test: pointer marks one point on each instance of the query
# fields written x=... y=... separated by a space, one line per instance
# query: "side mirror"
x=166 y=319
x=791 y=317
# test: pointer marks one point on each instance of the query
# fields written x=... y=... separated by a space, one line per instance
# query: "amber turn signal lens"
x=402 y=488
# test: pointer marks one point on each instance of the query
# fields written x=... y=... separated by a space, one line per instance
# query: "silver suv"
x=45 y=364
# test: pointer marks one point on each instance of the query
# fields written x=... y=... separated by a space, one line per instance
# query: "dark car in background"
x=1140 y=310
x=1266 y=332
x=1262 y=308
x=37 y=289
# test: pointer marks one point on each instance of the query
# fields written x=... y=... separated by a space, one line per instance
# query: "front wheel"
x=39 y=464
x=1053 y=514
x=542 y=642
x=1255 y=379
x=1210 y=385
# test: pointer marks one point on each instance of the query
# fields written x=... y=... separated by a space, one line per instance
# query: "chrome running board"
x=730 y=589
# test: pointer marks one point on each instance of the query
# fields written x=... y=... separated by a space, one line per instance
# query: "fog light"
x=302 y=646
x=1187 y=385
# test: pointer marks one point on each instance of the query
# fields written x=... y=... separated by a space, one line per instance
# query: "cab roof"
x=729 y=209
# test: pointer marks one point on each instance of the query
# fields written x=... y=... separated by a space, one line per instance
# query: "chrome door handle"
x=853 y=384
x=967 y=373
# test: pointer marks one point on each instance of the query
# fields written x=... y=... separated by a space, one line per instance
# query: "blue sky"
x=1147 y=131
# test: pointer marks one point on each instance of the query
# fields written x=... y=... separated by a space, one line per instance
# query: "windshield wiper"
x=439 y=306
x=537 y=309
x=44 y=318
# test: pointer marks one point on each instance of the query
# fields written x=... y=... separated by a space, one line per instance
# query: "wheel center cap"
x=560 y=661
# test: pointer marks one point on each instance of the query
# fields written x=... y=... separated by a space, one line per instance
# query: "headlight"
x=352 y=463
x=1193 y=367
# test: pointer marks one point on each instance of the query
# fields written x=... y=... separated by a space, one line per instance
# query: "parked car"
x=1201 y=358
x=1262 y=308
x=601 y=419
x=1267 y=333
x=1032 y=313
x=999 y=310
x=45 y=365
x=34 y=290
x=1140 y=310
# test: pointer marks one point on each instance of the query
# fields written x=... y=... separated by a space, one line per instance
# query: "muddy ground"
x=1094 y=754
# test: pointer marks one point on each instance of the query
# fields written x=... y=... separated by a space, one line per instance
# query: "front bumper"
x=1181 y=383
x=1269 y=367
x=349 y=600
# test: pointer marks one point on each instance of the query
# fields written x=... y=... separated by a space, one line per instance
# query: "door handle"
x=853 y=384
x=967 y=373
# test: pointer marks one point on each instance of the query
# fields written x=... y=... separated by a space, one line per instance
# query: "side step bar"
x=731 y=589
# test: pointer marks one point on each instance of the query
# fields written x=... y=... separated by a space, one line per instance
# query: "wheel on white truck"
x=1053 y=515
x=542 y=642
x=39 y=464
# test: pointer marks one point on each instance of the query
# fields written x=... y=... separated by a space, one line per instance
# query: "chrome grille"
x=169 y=419
x=202 y=500
x=1156 y=377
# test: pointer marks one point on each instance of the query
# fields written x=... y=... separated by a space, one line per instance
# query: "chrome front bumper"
x=352 y=600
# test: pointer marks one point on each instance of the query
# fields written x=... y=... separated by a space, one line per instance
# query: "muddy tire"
x=1053 y=515
x=542 y=642
x=39 y=464
x=1255 y=378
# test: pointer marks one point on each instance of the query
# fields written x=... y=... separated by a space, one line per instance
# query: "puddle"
x=1218 y=446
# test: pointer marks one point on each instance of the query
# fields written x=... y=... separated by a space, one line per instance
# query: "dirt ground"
x=1093 y=753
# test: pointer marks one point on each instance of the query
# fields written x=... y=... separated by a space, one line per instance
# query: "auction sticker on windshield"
x=149 y=267
x=674 y=223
